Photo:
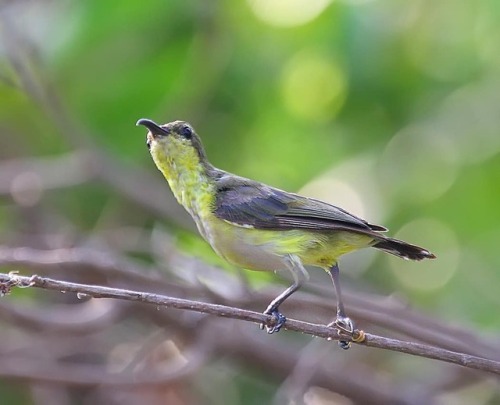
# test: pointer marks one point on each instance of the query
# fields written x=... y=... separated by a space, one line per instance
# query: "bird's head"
x=175 y=147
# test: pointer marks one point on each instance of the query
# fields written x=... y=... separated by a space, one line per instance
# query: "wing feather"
x=248 y=203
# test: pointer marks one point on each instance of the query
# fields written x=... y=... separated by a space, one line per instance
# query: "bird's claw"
x=280 y=321
x=345 y=328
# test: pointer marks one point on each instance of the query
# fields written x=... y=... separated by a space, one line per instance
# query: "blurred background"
x=389 y=109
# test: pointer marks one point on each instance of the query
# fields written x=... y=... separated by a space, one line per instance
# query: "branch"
x=8 y=281
x=388 y=314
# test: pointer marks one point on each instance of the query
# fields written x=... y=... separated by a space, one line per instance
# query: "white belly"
x=241 y=247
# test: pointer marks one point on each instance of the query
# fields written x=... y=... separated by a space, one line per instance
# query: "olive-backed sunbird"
x=259 y=227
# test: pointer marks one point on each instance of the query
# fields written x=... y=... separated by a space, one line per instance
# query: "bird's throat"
x=187 y=178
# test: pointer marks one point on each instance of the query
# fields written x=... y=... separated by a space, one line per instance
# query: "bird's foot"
x=280 y=320
x=345 y=328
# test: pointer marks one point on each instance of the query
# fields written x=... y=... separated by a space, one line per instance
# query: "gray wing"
x=248 y=203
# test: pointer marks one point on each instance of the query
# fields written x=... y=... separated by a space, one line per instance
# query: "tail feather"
x=403 y=249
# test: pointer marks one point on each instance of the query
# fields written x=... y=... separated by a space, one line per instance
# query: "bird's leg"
x=299 y=274
x=272 y=308
x=342 y=322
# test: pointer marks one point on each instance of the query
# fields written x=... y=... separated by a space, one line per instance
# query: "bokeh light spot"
x=441 y=46
x=418 y=164
x=26 y=189
x=335 y=192
x=288 y=13
x=470 y=119
x=313 y=86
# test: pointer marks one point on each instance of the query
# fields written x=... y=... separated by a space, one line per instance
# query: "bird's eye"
x=186 y=131
x=148 y=144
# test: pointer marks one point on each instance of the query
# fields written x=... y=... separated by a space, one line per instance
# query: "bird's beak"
x=153 y=127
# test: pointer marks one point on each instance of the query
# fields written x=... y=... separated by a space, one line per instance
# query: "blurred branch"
x=79 y=258
x=386 y=313
x=8 y=281
x=84 y=165
x=86 y=318
x=133 y=183
x=84 y=374
x=56 y=172
x=354 y=379
x=227 y=339
x=141 y=188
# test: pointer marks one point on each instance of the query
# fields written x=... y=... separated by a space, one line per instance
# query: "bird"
x=259 y=227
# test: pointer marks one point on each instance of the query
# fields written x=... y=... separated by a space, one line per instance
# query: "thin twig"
x=11 y=280
x=117 y=269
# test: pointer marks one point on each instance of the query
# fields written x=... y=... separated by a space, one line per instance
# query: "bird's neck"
x=189 y=180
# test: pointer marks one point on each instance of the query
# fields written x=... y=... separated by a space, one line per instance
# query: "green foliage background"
x=390 y=109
